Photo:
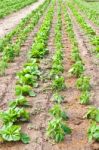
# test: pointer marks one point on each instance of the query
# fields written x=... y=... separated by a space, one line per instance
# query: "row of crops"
x=17 y=112
x=9 y=6
x=90 y=32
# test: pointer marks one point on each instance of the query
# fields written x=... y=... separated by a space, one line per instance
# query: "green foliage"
x=57 y=130
x=58 y=83
x=93 y=132
x=24 y=90
x=10 y=132
x=58 y=98
x=85 y=97
x=57 y=112
x=20 y=101
x=83 y=83
x=77 y=69
x=93 y=113
x=13 y=115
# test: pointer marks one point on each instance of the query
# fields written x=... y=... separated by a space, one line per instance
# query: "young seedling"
x=58 y=98
x=83 y=83
x=58 y=83
x=93 y=113
x=85 y=97
x=77 y=69
x=57 y=130
x=57 y=112
x=93 y=132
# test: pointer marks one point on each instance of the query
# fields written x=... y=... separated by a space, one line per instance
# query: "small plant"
x=83 y=83
x=24 y=90
x=27 y=79
x=58 y=98
x=93 y=132
x=57 y=130
x=20 y=101
x=57 y=112
x=12 y=132
x=77 y=69
x=58 y=83
x=13 y=115
x=84 y=98
x=93 y=113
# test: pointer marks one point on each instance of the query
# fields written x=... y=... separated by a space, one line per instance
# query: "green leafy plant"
x=93 y=132
x=57 y=130
x=58 y=83
x=77 y=69
x=24 y=90
x=20 y=101
x=12 y=132
x=57 y=112
x=93 y=113
x=27 y=79
x=85 y=97
x=58 y=98
x=14 y=114
x=83 y=83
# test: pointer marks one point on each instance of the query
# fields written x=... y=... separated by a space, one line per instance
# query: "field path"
x=9 y=22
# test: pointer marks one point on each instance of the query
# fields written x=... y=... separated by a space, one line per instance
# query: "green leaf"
x=25 y=138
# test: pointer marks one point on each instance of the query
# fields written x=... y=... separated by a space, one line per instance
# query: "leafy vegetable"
x=93 y=113
x=83 y=83
x=58 y=83
x=20 y=101
x=57 y=130
x=93 y=132
x=57 y=112
x=84 y=98
x=24 y=90
x=77 y=69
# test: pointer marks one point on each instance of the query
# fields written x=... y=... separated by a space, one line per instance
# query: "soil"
x=36 y=127
x=10 y=22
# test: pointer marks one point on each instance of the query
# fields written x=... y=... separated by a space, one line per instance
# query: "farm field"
x=49 y=75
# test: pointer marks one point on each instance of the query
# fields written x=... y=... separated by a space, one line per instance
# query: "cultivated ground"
x=36 y=127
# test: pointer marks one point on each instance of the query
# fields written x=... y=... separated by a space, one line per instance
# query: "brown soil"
x=9 y=22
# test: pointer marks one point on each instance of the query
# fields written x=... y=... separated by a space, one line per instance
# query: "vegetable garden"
x=49 y=77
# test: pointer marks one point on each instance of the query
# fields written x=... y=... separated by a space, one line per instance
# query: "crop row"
x=57 y=126
x=26 y=80
x=82 y=82
x=94 y=39
x=92 y=11
x=9 y=6
x=11 y=44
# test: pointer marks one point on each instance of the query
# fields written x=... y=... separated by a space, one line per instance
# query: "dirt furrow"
x=9 y=22
x=7 y=82
x=91 y=63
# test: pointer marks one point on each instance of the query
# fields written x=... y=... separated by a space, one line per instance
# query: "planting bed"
x=49 y=81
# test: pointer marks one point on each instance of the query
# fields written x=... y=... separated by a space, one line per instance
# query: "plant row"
x=91 y=10
x=94 y=39
x=26 y=80
x=83 y=82
x=7 y=7
x=57 y=126
x=11 y=49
